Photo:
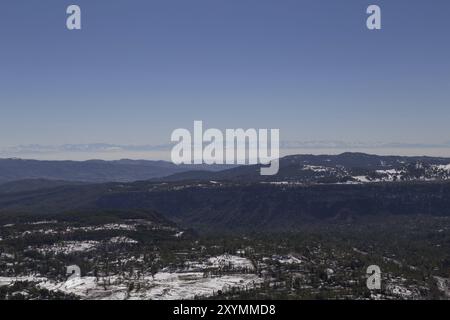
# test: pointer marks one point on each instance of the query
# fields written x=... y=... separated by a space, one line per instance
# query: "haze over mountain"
x=91 y=171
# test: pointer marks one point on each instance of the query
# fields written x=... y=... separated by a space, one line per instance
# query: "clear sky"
x=140 y=69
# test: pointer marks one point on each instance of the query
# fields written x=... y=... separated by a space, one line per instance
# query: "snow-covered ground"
x=88 y=288
x=6 y=281
x=317 y=168
x=235 y=262
x=445 y=167
x=164 y=286
x=443 y=285
x=288 y=260
x=391 y=174
x=361 y=179
x=109 y=226
x=225 y=261
x=176 y=286
x=43 y=222
x=398 y=290
x=68 y=230
x=68 y=247
x=6 y=255
x=124 y=240
x=383 y=175
x=118 y=226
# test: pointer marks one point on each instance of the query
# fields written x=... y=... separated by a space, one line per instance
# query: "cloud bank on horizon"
x=106 y=151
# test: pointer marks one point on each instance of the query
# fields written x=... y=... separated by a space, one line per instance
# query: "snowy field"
x=165 y=285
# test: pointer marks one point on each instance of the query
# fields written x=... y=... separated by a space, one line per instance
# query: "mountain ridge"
x=345 y=167
x=308 y=189
x=94 y=171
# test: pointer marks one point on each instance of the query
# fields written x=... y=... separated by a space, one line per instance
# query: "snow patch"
x=68 y=247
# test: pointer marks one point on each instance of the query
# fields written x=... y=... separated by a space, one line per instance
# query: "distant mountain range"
x=91 y=171
x=308 y=188
x=342 y=168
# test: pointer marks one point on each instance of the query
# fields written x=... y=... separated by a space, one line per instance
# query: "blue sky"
x=140 y=69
